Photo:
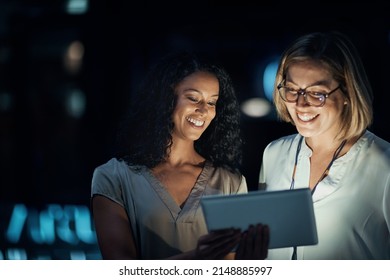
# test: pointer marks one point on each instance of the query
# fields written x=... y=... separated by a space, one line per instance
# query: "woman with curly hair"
x=181 y=141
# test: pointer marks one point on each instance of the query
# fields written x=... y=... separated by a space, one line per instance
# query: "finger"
x=220 y=248
x=258 y=242
x=216 y=248
x=246 y=248
x=254 y=243
x=249 y=246
x=219 y=236
x=258 y=237
x=214 y=236
x=265 y=241
x=261 y=242
x=216 y=253
x=240 y=252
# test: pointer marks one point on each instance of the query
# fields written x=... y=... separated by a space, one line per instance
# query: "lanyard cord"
x=323 y=176
x=296 y=163
x=326 y=171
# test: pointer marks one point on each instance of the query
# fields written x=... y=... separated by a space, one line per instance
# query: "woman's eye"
x=316 y=94
x=193 y=99
x=212 y=103
x=291 y=91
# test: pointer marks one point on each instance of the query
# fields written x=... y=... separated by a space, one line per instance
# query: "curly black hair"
x=145 y=136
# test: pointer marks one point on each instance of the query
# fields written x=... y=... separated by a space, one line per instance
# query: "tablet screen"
x=288 y=213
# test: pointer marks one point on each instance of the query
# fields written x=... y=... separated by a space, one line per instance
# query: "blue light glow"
x=83 y=225
x=16 y=254
x=269 y=78
x=16 y=224
x=52 y=232
x=77 y=6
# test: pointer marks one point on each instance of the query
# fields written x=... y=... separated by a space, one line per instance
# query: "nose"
x=202 y=108
x=301 y=100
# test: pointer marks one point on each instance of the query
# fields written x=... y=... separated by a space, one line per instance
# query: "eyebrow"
x=198 y=92
x=317 y=83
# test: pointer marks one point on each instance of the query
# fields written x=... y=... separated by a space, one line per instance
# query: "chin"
x=194 y=137
x=305 y=132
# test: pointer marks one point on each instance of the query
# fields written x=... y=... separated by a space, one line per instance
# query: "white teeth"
x=195 y=122
x=306 y=117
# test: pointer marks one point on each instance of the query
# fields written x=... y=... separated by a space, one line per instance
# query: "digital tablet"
x=288 y=213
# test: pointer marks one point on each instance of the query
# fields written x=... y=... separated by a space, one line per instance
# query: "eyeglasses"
x=313 y=98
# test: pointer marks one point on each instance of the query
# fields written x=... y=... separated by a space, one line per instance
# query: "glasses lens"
x=315 y=98
x=288 y=94
x=311 y=97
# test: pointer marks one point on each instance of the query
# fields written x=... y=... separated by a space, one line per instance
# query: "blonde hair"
x=336 y=52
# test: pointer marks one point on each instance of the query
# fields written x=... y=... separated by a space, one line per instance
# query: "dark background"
x=48 y=156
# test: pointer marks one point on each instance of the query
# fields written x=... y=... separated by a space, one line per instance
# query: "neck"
x=323 y=144
x=183 y=152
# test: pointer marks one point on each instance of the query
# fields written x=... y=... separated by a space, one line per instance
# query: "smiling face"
x=311 y=121
x=197 y=97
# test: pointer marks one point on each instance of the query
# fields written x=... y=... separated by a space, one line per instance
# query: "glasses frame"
x=304 y=93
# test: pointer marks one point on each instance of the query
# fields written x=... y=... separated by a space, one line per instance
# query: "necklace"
x=326 y=171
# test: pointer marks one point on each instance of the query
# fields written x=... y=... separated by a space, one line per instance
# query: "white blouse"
x=351 y=205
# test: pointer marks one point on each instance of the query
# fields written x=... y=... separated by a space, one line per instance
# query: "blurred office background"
x=68 y=68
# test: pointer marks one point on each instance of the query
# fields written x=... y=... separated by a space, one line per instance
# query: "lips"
x=197 y=123
x=306 y=117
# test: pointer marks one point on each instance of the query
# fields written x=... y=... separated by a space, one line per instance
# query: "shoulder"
x=222 y=170
x=111 y=167
x=375 y=146
x=229 y=173
x=111 y=178
x=115 y=166
x=111 y=164
x=223 y=177
x=107 y=173
x=113 y=172
x=378 y=141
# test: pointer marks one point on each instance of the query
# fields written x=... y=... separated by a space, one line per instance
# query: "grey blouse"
x=160 y=227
